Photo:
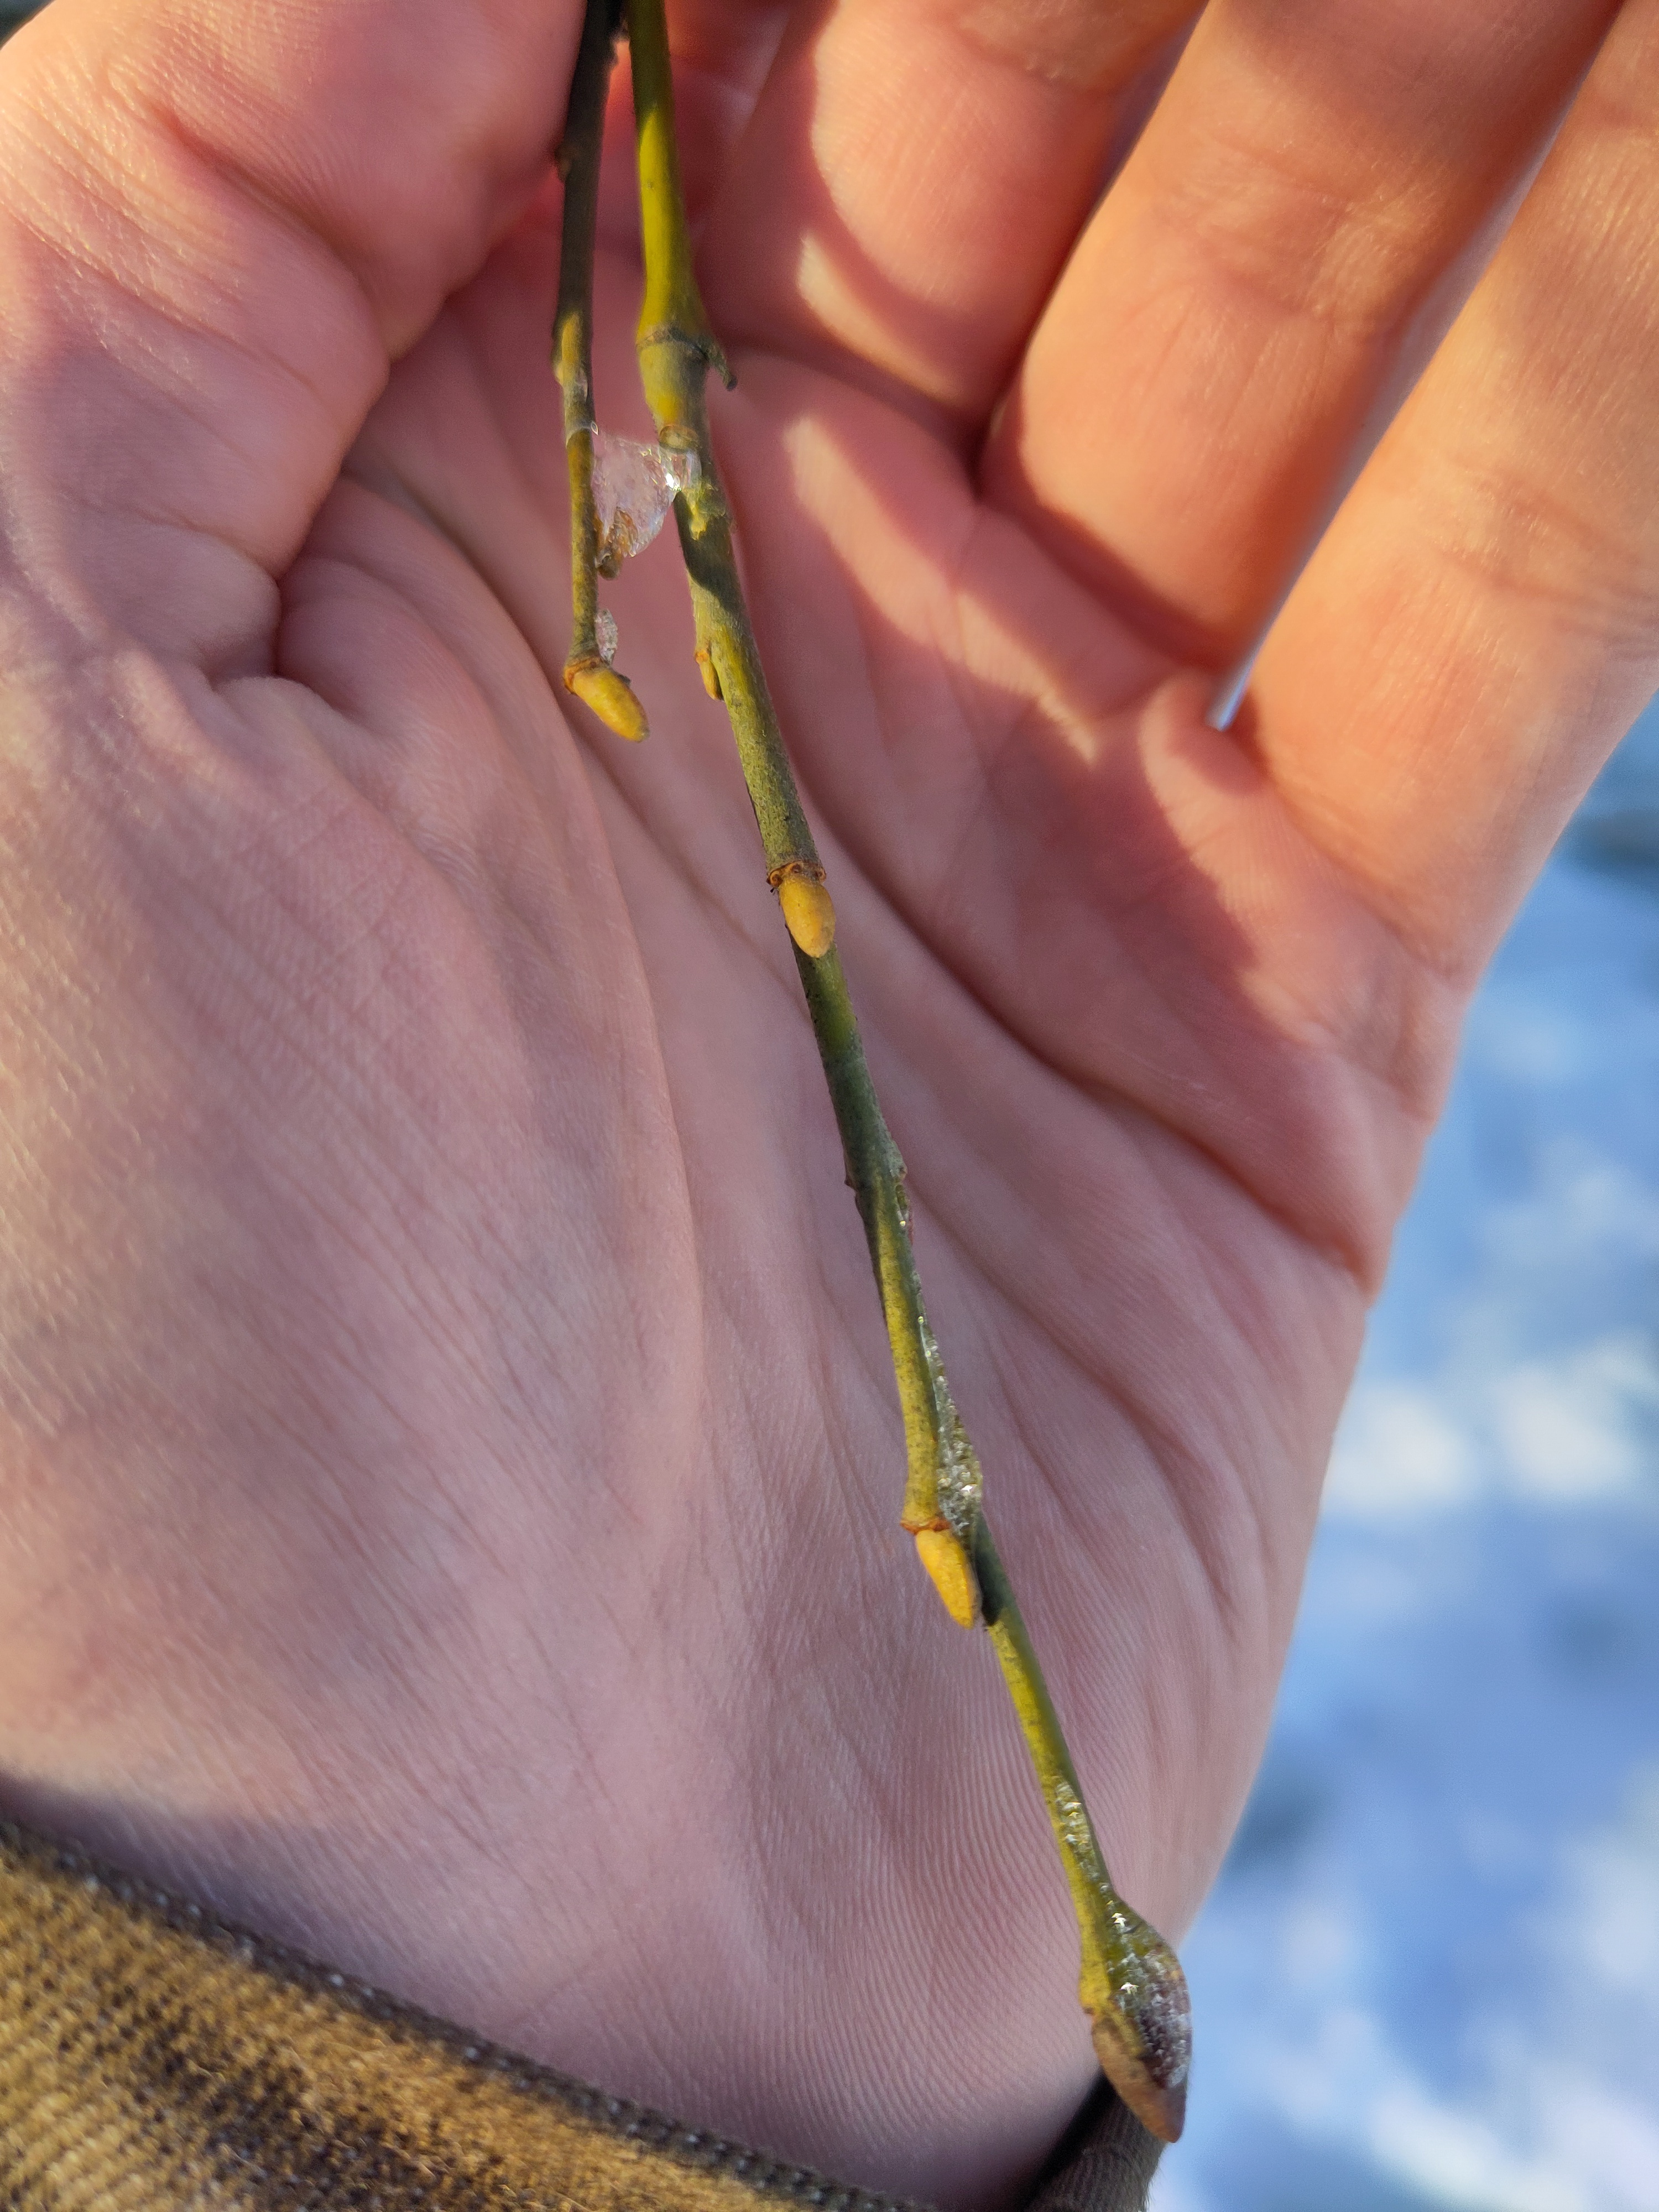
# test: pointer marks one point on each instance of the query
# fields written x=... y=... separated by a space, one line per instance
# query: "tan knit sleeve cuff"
x=153 y=2059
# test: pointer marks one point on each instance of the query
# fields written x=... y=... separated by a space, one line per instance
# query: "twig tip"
x=1143 y=2036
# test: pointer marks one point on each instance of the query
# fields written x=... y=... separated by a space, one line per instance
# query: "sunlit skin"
x=452 y=1468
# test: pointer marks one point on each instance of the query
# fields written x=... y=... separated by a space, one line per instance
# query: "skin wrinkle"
x=1136 y=1413
x=799 y=1916
x=335 y=1477
x=1224 y=1576
x=1411 y=1078
x=311 y=219
x=1364 y=1265
x=460 y=882
x=1126 y=1119
x=262 y=203
x=1075 y=43
x=300 y=1190
x=601 y=760
x=376 y=475
x=64 y=1678
x=72 y=239
x=1359 y=1267
x=805 y=80
x=1444 y=953
x=1218 y=1579
x=96 y=508
x=954 y=432
x=1451 y=982
x=287 y=1028
x=1330 y=284
x=599 y=757
x=352 y=1353
x=1492 y=554
x=348 y=1539
x=340 y=739
x=1172 y=1458
x=183 y=134
x=954 y=658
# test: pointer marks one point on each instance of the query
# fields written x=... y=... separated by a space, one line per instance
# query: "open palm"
x=452 y=1465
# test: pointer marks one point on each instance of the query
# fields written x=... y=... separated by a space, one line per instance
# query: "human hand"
x=452 y=1464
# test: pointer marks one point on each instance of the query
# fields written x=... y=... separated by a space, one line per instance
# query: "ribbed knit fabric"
x=153 y=2059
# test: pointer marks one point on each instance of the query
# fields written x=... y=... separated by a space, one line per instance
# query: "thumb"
x=220 y=220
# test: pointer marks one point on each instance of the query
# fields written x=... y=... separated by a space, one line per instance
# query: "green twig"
x=1131 y=1983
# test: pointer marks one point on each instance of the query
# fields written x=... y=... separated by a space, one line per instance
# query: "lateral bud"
x=809 y=913
x=940 y=1551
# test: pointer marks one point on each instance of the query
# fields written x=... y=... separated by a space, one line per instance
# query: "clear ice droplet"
x=633 y=488
x=605 y=635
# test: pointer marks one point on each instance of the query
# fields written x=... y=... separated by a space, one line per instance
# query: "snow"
x=1429 y=1974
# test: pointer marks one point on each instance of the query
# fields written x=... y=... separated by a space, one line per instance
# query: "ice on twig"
x=605 y=635
x=633 y=488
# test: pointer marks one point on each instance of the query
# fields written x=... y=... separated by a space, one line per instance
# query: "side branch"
x=587 y=672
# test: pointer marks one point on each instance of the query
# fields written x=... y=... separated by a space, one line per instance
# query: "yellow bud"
x=808 y=911
x=611 y=697
x=711 y=675
x=946 y=1563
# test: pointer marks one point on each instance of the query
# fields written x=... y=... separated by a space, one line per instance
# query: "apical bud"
x=611 y=697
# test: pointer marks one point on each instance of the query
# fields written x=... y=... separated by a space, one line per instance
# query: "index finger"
x=217 y=226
